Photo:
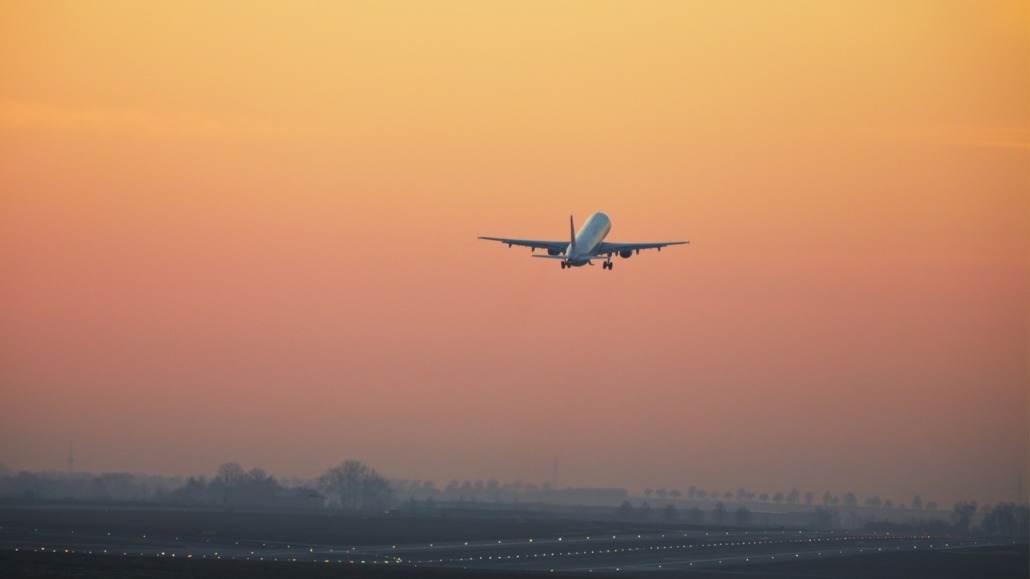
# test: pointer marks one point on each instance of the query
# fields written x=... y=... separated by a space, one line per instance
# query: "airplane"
x=586 y=245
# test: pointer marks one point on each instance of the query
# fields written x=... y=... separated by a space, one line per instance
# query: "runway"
x=606 y=553
x=651 y=552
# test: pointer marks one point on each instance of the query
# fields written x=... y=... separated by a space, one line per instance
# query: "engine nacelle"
x=553 y=252
x=625 y=253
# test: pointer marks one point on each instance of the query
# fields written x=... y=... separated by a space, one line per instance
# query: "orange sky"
x=247 y=231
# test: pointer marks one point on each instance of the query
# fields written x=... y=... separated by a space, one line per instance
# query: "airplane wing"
x=610 y=248
x=550 y=246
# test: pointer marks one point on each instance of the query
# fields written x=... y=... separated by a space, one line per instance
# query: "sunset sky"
x=246 y=231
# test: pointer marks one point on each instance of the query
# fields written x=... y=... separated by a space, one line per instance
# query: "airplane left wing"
x=552 y=247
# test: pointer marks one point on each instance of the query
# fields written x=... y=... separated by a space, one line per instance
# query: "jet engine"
x=553 y=252
x=625 y=253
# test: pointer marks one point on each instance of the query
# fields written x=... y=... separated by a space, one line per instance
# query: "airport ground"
x=71 y=541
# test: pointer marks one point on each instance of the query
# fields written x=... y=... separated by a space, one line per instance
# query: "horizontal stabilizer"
x=549 y=256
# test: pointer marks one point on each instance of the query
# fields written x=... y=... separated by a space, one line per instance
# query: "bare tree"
x=742 y=516
x=353 y=485
x=1001 y=520
x=962 y=514
x=229 y=474
x=793 y=496
x=696 y=515
x=644 y=511
x=669 y=513
x=719 y=513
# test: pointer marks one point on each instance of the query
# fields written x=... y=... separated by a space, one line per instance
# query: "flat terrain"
x=165 y=543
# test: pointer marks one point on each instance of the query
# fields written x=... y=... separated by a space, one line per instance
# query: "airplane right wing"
x=552 y=247
x=609 y=248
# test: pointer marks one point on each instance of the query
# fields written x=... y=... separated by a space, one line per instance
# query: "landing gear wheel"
x=563 y=265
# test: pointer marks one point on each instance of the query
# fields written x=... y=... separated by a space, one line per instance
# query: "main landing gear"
x=604 y=264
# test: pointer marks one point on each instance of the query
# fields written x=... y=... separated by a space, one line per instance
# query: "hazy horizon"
x=942 y=502
x=245 y=231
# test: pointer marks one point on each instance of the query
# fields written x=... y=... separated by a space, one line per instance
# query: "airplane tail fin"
x=572 y=234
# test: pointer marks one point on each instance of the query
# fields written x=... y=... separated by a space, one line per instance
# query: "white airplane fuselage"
x=586 y=240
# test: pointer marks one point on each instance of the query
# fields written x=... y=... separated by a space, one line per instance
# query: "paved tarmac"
x=601 y=553
x=652 y=552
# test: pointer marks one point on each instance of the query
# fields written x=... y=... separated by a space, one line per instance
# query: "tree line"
x=355 y=486
x=351 y=485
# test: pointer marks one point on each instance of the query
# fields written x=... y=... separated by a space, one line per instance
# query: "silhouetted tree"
x=873 y=502
x=961 y=515
x=696 y=515
x=353 y=485
x=917 y=503
x=719 y=513
x=229 y=474
x=850 y=500
x=742 y=516
x=669 y=513
x=644 y=511
x=193 y=491
x=778 y=498
x=793 y=496
x=888 y=504
x=809 y=497
x=625 y=510
x=376 y=493
x=451 y=490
